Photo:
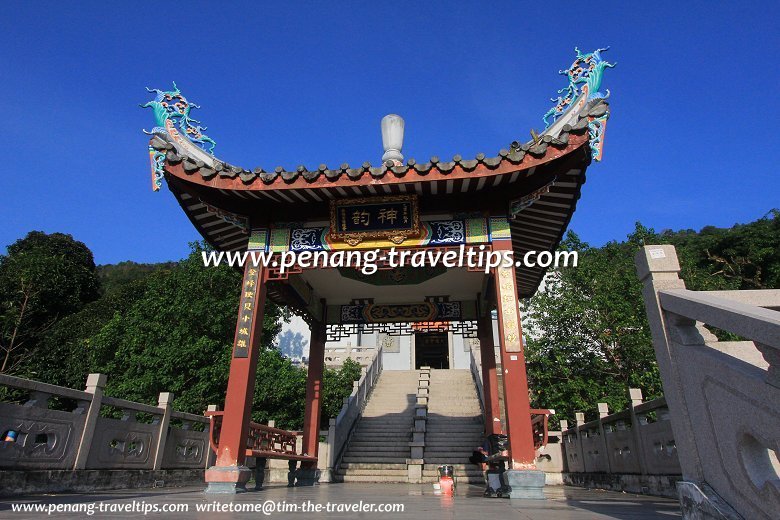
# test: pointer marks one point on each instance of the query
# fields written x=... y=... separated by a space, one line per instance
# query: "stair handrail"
x=476 y=375
x=341 y=428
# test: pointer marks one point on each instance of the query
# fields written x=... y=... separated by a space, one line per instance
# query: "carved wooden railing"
x=539 y=420
x=262 y=441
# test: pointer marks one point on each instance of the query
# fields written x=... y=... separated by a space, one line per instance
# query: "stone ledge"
x=18 y=482
x=702 y=502
x=655 y=485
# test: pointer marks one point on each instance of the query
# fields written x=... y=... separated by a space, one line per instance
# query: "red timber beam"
x=487 y=354
x=230 y=474
x=516 y=400
x=311 y=418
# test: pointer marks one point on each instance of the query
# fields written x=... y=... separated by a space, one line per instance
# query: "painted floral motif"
x=303 y=239
x=448 y=232
x=448 y=310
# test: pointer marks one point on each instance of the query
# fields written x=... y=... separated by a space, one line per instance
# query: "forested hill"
x=114 y=276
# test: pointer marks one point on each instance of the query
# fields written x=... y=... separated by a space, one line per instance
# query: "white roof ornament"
x=393 y=138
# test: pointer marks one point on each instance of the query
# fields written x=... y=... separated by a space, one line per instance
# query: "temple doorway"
x=432 y=349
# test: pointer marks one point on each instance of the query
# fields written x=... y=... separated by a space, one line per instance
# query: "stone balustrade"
x=632 y=450
x=97 y=432
x=340 y=428
x=36 y=436
x=416 y=460
x=336 y=356
x=723 y=396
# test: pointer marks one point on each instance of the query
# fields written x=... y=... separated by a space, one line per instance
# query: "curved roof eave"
x=186 y=161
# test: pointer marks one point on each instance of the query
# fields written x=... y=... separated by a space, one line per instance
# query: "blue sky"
x=691 y=141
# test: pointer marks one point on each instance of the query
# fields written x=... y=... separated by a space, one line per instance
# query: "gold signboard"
x=394 y=218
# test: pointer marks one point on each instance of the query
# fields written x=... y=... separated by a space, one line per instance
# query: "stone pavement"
x=418 y=501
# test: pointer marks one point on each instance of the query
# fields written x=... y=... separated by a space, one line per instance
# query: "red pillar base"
x=227 y=479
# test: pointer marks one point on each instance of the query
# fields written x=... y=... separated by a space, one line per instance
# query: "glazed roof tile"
x=514 y=154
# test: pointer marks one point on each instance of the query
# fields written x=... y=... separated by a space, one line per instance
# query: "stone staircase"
x=454 y=427
x=379 y=450
x=379 y=447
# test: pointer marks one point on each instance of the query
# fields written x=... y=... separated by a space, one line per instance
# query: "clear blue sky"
x=692 y=140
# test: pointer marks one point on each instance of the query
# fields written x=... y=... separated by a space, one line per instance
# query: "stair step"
x=379 y=446
x=463 y=430
x=355 y=472
x=386 y=418
x=388 y=427
x=360 y=450
x=385 y=432
x=370 y=423
x=373 y=478
x=437 y=433
x=440 y=455
x=450 y=449
x=372 y=443
x=455 y=421
x=373 y=467
x=376 y=460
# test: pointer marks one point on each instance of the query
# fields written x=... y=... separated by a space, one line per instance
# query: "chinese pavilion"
x=520 y=199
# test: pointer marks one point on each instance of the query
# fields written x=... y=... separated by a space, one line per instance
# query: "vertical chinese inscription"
x=508 y=308
x=246 y=312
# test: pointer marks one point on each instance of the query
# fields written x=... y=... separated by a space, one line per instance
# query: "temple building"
x=514 y=201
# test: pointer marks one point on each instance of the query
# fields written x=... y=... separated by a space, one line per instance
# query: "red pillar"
x=516 y=400
x=311 y=418
x=229 y=473
x=487 y=354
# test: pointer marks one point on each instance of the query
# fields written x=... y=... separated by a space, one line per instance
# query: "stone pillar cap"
x=656 y=259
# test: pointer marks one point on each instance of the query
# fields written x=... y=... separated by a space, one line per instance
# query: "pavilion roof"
x=188 y=162
x=219 y=197
x=537 y=182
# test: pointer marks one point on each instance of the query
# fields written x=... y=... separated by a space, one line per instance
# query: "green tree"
x=43 y=278
x=64 y=356
x=157 y=327
x=745 y=256
x=280 y=391
x=337 y=384
x=177 y=336
x=114 y=277
x=588 y=337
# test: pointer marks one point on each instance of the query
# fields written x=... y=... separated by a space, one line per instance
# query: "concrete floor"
x=419 y=501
